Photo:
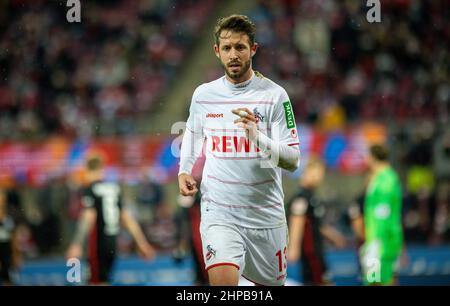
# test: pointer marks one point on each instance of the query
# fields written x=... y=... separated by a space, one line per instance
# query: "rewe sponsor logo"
x=211 y=115
x=231 y=144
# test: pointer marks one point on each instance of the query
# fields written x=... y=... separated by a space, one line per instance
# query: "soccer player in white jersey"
x=248 y=125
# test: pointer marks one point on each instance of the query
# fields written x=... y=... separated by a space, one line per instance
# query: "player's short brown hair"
x=379 y=152
x=94 y=162
x=238 y=24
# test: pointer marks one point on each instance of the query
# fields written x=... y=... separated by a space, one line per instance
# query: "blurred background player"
x=305 y=213
x=9 y=251
x=102 y=217
x=382 y=220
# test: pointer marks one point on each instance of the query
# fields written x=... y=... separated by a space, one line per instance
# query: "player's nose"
x=233 y=54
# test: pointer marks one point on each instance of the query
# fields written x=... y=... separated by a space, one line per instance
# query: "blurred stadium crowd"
x=106 y=75
x=97 y=77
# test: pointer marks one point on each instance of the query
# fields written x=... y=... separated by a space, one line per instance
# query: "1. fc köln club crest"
x=258 y=115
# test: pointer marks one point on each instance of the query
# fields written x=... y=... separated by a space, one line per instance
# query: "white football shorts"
x=259 y=254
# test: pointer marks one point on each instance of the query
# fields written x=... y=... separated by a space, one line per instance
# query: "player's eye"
x=226 y=48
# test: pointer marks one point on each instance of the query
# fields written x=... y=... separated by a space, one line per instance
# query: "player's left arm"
x=283 y=145
x=132 y=226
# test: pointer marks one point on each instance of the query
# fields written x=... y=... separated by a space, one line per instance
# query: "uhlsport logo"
x=211 y=115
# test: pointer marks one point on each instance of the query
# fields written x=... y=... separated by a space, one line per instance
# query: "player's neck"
x=247 y=76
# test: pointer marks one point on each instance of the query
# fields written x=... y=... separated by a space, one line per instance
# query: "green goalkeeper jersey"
x=382 y=214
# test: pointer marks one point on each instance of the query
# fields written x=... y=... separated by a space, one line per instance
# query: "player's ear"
x=254 y=48
x=216 y=50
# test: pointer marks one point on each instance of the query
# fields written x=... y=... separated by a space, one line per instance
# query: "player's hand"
x=146 y=251
x=246 y=121
x=75 y=251
x=187 y=185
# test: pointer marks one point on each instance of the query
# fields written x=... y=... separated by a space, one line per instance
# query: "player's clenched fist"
x=187 y=184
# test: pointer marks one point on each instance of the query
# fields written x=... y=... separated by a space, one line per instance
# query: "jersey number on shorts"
x=282 y=265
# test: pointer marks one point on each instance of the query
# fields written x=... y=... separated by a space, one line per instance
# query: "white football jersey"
x=239 y=185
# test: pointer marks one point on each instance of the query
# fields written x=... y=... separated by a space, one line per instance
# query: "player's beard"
x=237 y=75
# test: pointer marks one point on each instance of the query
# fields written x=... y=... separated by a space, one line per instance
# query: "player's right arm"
x=191 y=149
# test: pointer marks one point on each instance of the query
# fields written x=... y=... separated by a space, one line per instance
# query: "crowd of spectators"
x=101 y=76
x=334 y=63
